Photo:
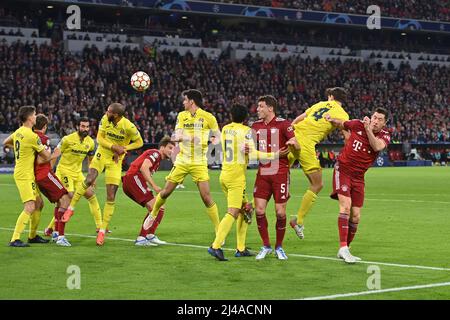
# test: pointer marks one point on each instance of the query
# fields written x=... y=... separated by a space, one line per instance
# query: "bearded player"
x=367 y=139
x=310 y=129
x=136 y=183
x=73 y=149
x=116 y=136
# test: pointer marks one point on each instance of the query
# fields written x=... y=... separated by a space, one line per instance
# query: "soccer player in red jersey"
x=48 y=182
x=367 y=138
x=135 y=185
x=271 y=134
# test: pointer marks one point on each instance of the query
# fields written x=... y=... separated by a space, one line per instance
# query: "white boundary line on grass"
x=363 y=293
x=295 y=196
x=291 y=254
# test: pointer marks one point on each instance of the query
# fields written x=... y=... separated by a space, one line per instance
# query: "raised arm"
x=335 y=122
x=299 y=118
x=376 y=143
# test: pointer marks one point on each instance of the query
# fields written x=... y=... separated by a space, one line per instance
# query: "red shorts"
x=51 y=187
x=278 y=185
x=348 y=186
x=136 y=188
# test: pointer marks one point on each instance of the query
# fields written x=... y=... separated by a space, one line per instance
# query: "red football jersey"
x=151 y=154
x=272 y=137
x=357 y=156
x=41 y=170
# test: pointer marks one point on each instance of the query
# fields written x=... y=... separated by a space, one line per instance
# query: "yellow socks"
x=307 y=202
x=95 y=210
x=159 y=202
x=21 y=223
x=213 y=214
x=223 y=230
x=51 y=225
x=80 y=190
x=107 y=214
x=34 y=223
x=241 y=232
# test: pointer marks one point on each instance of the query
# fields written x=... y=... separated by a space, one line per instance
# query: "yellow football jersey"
x=120 y=134
x=234 y=137
x=26 y=145
x=198 y=126
x=73 y=152
x=314 y=127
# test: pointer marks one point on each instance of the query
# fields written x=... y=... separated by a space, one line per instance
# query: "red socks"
x=61 y=225
x=343 y=229
x=262 y=228
x=155 y=225
x=352 y=228
x=281 y=229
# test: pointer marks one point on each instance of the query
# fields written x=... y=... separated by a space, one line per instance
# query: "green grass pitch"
x=405 y=227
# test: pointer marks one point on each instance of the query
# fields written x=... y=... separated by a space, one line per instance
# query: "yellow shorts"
x=113 y=170
x=234 y=192
x=306 y=156
x=69 y=179
x=198 y=172
x=28 y=190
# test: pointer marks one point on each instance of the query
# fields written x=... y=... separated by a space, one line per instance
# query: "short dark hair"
x=193 y=94
x=239 y=113
x=118 y=108
x=165 y=141
x=270 y=101
x=25 y=112
x=339 y=93
x=41 y=121
x=382 y=111
x=82 y=119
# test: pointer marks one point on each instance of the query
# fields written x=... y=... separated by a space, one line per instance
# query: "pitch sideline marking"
x=291 y=254
x=363 y=293
x=297 y=196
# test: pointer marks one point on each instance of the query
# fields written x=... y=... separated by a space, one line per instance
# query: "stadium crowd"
x=418 y=9
x=66 y=86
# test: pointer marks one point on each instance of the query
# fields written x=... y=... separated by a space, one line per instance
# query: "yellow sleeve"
x=62 y=145
x=255 y=154
x=102 y=140
x=36 y=143
x=179 y=123
x=102 y=124
x=212 y=123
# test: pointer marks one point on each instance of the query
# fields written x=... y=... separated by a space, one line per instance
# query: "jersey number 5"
x=319 y=113
x=228 y=150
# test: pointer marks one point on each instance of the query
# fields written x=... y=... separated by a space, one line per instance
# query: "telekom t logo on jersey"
x=357 y=145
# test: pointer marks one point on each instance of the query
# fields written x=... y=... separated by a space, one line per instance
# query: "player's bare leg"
x=261 y=220
x=147 y=237
x=80 y=190
x=111 y=191
x=280 y=209
x=211 y=207
x=160 y=199
x=345 y=204
x=310 y=196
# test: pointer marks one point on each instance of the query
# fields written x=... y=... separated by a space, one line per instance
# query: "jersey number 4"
x=319 y=113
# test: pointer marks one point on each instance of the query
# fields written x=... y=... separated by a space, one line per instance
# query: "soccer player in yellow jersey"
x=237 y=139
x=311 y=127
x=26 y=146
x=193 y=130
x=73 y=149
x=116 y=135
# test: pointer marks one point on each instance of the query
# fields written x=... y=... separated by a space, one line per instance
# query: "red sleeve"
x=353 y=124
x=386 y=137
x=154 y=156
x=288 y=130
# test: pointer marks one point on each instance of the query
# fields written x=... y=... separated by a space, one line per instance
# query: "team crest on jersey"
x=359 y=132
x=122 y=131
x=344 y=187
x=290 y=128
x=86 y=146
x=201 y=120
x=155 y=154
